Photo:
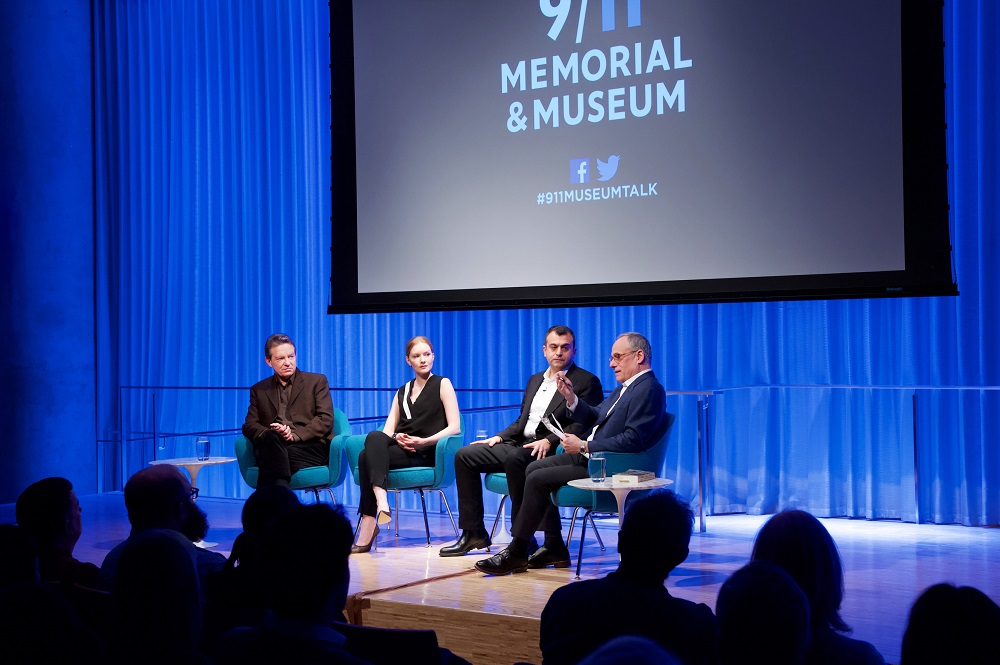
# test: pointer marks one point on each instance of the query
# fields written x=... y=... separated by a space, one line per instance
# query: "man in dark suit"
x=290 y=419
x=524 y=441
x=630 y=420
x=654 y=539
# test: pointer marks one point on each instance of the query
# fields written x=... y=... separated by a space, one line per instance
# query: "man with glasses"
x=632 y=419
x=524 y=440
x=161 y=497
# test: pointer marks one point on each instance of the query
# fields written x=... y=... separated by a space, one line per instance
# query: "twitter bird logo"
x=609 y=168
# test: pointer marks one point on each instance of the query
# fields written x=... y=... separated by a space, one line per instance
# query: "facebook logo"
x=579 y=171
x=608 y=14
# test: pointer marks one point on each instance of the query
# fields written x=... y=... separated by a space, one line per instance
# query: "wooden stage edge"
x=405 y=584
x=488 y=620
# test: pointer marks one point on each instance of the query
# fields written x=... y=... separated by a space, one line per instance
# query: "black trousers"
x=278 y=459
x=474 y=460
x=381 y=453
x=545 y=476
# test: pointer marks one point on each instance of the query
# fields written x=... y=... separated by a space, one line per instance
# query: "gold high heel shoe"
x=384 y=516
x=364 y=549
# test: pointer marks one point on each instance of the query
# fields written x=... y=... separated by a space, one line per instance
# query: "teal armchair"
x=313 y=478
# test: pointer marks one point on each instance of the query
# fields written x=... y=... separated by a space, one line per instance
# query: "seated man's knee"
x=463 y=455
x=534 y=479
x=537 y=465
x=517 y=463
x=270 y=437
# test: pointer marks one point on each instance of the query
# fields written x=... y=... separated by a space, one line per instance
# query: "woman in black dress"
x=423 y=411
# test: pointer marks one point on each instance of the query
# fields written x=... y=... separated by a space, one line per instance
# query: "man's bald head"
x=157 y=497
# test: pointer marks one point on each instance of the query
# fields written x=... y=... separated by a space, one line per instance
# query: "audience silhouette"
x=38 y=625
x=304 y=561
x=18 y=556
x=763 y=617
x=157 y=600
x=952 y=625
x=241 y=582
x=633 y=650
x=290 y=567
x=654 y=539
x=799 y=543
x=160 y=497
x=50 y=512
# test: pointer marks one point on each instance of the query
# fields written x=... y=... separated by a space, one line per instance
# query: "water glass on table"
x=203 y=448
x=597 y=467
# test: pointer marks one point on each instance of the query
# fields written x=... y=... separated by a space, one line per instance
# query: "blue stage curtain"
x=212 y=121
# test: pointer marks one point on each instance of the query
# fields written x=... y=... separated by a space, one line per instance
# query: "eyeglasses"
x=618 y=357
x=194 y=493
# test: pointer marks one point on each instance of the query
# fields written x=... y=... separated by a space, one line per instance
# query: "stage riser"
x=479 y=637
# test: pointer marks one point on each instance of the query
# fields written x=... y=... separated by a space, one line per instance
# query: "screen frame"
x=927 y=228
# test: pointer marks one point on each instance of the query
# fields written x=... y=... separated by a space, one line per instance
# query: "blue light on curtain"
x=213 y=207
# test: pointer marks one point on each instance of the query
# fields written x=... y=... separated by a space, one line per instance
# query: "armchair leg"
x=423 y=505
x=583 y=535
x=333 y=499
x=444 y=499
x=496 y=522
x=395 y=501
x=594 y=527
x=572 y=523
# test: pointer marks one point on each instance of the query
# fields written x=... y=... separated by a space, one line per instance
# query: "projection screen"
x=565 y=152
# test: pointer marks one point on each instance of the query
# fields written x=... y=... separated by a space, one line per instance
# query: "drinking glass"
x=203 y=447
x=597 y=466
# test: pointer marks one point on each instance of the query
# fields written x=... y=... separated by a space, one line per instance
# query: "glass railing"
x=164 y=422
x=915 y=453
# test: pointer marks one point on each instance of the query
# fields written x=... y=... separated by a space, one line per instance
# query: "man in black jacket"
x=524 y=441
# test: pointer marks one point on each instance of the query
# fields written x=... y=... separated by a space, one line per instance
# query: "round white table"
x=193 y=465
x=620 y=491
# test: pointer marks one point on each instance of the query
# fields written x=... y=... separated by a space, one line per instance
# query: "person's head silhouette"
x=799 y=543
x=655 y=535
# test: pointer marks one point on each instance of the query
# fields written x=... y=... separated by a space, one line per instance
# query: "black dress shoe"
x=468 y=542
x=549 y=556
x=503 y=563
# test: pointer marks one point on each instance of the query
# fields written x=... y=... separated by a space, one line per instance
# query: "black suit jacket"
x=309 y=409
x=586 y=386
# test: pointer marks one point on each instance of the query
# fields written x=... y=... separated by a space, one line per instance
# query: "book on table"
x=632 y=477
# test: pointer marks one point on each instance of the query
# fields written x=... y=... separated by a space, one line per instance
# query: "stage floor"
x=406 y=584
